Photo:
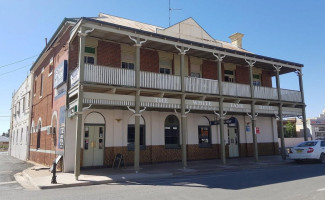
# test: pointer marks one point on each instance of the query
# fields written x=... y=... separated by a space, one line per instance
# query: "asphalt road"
x=9 y=166
x=293 y=181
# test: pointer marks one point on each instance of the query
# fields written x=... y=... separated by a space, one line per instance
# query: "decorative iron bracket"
x=183 y=52
x=219 y=56
x=256 y=114
x=250 y=62
x=136 y=41
x=132 y=110
x=218 y=115
x=277 y=67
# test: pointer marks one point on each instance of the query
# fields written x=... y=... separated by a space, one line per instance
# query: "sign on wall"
x=62 y=127
x=257 y=130
x=60 y=74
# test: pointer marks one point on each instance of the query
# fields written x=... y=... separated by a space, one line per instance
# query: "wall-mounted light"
x=118 y=120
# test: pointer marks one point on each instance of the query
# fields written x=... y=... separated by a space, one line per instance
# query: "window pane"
x=91 y=60
x=204 y=135
x=131 y=135
x=229 y=72
x=90 y=50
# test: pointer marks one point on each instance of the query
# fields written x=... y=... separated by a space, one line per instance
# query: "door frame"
x=238 y=133
x=87 y=124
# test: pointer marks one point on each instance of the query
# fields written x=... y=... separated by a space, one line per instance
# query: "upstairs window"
x=165 y=66
x=196 y=75
x=24 y=104
x=229 y=76
x=41 y=89
x=51 y=66
x=90 y=55
x=126 y=65
x=256 y=80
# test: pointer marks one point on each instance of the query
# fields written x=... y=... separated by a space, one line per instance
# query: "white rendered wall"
x=20 y=129
x=117 y=122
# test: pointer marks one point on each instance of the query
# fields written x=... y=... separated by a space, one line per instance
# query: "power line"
x=16 y=69
x=18 y=61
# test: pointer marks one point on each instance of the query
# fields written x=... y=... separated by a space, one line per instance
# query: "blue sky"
x=284 y=29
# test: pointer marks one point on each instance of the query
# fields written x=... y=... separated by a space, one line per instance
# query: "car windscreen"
x=307 y=144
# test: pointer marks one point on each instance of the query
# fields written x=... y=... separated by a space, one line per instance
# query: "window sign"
x=60 y=74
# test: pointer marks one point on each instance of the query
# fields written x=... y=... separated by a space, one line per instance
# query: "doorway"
x=233 y=142
x=93 y=154
x=233 y=137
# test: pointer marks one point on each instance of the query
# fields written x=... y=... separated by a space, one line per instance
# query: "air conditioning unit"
x=49 y=130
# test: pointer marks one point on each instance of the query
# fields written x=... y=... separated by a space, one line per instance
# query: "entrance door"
x=93 y=154
x=233 y=142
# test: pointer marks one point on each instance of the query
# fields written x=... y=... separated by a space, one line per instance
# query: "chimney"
x=236 y=39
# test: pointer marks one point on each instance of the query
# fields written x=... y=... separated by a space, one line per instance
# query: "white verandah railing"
x=125 y=77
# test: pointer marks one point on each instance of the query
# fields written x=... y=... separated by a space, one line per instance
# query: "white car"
x=309 y=150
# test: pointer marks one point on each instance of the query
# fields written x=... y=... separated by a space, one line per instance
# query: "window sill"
x=205 y=145
x=131 y=148
x=50 y=74
x=172 y=147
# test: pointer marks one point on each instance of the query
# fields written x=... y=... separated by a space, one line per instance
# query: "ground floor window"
x=172 y=132
x=131 y=137
x=204 y=136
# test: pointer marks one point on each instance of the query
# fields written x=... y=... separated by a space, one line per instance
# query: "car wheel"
x=322 y=158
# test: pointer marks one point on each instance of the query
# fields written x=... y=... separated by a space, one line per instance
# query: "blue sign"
x=60 y=73
x=248 y=128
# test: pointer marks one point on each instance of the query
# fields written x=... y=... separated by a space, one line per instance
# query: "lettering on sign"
x=236 y=105
x=202 y=103
x=161 y=100
x=265 y=108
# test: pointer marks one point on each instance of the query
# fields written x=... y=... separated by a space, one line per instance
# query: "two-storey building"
x=48 y=99
x=20 y=120
x=157 y=94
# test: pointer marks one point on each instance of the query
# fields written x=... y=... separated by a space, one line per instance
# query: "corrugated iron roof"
x=165 y=31
x=4 y=139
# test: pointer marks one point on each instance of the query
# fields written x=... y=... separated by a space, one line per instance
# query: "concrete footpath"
x=40 y=176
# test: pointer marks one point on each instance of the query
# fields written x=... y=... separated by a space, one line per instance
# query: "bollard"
x=53 y=181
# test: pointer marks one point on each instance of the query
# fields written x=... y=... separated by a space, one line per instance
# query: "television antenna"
x=170 y=10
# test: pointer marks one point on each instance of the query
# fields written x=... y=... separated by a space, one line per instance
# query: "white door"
x=93 y=154
x=233 y=142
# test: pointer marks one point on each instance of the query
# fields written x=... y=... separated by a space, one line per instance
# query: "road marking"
x=10 y=182
x=320 y=190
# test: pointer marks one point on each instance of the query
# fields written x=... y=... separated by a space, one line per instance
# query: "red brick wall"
x=210 y=70
x=266 y=79
x=73 y=54
x=149 y=60
x=42 y=106
x=108 y=54
x=242 y=75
